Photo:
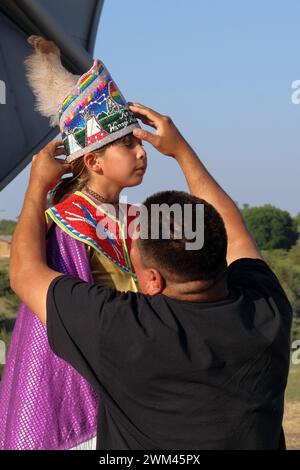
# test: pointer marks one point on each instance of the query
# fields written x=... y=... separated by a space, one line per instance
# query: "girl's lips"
x=140 y=170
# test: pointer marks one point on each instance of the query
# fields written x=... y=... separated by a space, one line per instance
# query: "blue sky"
x=223 y=71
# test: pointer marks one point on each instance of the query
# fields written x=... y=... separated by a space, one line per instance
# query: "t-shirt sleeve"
x=85 y=323
x=258 y=278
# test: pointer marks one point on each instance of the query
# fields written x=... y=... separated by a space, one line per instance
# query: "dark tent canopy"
x=72 y=25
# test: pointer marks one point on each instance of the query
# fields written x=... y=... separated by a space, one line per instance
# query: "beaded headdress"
x=90 y=109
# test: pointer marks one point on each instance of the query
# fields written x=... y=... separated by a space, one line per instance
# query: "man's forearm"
x=28 y=245
x=203 y=185
x=30 y=276
x=169 y=141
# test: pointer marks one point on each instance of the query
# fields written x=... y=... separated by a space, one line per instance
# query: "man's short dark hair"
x=170 y=256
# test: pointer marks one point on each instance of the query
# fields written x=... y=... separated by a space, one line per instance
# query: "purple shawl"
x=44 y=402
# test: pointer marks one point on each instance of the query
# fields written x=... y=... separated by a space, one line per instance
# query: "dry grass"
x=2 y=306
x=291 y=424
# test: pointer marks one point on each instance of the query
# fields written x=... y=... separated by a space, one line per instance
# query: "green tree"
x=7 y=227
x=297 y=223
x=286 y=266
x=271 y=227
x=10 y=299
x=4 y=336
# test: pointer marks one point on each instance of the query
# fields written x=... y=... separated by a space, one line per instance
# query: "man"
x=199 y=358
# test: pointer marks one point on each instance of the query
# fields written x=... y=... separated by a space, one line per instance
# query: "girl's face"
x=125 y=162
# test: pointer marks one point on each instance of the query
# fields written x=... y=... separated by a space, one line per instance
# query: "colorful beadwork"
x=94 y=113
x=83 y=220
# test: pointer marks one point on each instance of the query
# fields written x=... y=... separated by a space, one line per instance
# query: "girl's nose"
x=141 y=153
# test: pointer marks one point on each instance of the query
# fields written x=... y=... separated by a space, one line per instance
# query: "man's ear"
x=93 y=162
x=155 y=282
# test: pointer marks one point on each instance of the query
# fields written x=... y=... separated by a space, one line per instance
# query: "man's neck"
x=198 y=291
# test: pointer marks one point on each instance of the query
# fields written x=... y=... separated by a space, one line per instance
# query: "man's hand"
x=46 y=170
x=29 y=274
x=169 y=141
x=167 y=138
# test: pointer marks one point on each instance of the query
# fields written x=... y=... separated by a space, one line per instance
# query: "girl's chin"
x=136 y=180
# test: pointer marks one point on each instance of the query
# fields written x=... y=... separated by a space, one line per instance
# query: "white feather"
x=49 y=81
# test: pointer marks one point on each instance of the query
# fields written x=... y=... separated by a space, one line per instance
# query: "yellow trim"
x=127 y=257
x=49 y=213
x=47 y=216
x=126 y=274
x=79 y=193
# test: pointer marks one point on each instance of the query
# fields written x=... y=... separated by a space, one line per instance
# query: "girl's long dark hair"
x=70 y=184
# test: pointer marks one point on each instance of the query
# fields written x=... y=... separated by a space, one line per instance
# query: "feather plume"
x=48 y=79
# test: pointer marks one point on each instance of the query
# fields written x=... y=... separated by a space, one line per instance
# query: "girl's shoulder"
x=85 y=221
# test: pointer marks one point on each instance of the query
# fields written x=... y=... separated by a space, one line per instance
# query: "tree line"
x=276 y=232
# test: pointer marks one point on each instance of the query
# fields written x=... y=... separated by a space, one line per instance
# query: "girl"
x=44 y=402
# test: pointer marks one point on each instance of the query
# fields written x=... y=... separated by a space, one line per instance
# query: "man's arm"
x=241 y=244
x=29 y=274
x=169 y=141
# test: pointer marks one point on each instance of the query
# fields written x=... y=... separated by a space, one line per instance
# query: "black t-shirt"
x=175 y=374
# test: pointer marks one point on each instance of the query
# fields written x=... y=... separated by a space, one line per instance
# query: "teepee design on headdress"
x=94 y=132
x=73 y=145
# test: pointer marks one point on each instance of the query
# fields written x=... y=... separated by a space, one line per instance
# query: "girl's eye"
x=131 y=143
